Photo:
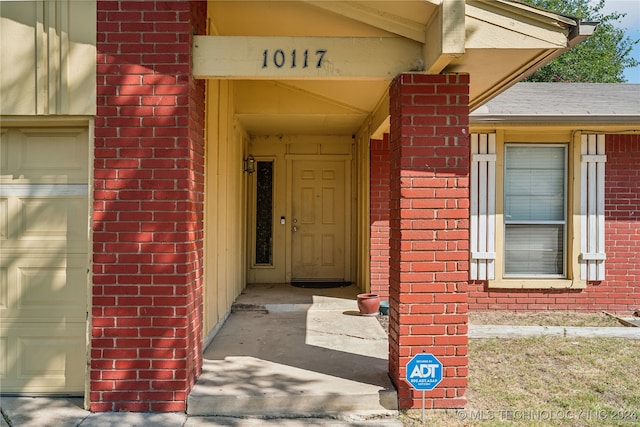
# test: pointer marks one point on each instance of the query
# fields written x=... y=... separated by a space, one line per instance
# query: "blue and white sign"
x=424 y=371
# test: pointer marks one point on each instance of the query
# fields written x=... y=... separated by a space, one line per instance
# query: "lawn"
x=547 y=381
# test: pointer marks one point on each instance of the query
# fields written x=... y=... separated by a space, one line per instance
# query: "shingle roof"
x=618 y=102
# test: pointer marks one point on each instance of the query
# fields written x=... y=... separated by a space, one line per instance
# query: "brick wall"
x=148 y=223
x=620 y=291
x=429 y=232
x=379 y=217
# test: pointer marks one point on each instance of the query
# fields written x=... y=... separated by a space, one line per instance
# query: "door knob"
x=294 y=229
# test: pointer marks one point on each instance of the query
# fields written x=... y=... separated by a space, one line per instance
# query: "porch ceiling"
x=497 y=42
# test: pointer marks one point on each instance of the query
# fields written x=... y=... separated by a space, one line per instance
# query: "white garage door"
x=43 y=269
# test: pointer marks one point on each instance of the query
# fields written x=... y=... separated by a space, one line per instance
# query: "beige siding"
x=225 y=262
x=48 y=61
x=362 y=253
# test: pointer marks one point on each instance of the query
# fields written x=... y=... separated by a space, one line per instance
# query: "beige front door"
x=43 y=260
x=319 y=215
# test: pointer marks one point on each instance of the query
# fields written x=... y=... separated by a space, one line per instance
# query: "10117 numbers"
x=304 y=59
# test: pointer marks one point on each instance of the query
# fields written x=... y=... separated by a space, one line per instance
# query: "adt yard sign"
x=424 y=371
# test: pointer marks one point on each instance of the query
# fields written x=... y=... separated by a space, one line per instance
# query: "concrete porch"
x=287 y=351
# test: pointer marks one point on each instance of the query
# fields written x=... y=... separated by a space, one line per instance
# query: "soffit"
x=316 y=18
x=312 y=107
x=503 y=42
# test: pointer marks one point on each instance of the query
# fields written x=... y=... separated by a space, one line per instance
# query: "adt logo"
x=424 y=371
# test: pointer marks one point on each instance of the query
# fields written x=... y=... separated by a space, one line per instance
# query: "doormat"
x=320 y=284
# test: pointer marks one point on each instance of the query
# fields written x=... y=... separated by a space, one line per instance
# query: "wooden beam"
x=380 y=120
x=490 y=30
x=625 y=322
x=304 y=57
x=445 y=36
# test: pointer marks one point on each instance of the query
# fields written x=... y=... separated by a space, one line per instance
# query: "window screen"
x=535 y=210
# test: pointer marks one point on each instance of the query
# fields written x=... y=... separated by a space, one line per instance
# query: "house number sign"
x=279 y=58
x=287 y=57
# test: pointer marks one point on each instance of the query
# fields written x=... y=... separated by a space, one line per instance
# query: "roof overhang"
x=506 y=41
x=554 y=119
x=577 y=105
x=366 y=44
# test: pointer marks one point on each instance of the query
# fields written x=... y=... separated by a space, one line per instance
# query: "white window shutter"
x=592 y=253
x=483 y=206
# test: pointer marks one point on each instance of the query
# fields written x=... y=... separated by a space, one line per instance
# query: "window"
x=537 y=208
x=264 y=213
x=535 y=213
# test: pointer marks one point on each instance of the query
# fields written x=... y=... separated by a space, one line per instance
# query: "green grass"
x=544 y=318
x=547 y=381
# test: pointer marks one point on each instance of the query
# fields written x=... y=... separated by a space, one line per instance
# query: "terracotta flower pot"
x=368 y=304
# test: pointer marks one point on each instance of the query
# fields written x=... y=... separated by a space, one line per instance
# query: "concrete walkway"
x=503 y=331
x=285 y=357
x=67 y=412
x=289 y=351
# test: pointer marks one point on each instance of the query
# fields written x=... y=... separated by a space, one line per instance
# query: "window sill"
x=537 y=284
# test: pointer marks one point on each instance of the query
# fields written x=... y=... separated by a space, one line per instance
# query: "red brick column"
x=379 y=216
x=146 y=350
x=429 y=244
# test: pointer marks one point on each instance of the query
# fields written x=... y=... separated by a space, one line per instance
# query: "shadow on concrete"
x=313 y=355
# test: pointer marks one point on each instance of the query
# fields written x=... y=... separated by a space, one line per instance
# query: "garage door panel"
x=44 y=226
x=4 y=289
x=53 y=218
x=4 y=152
x=44 y=288
x=42 y=357
x=4 y=357
x=4 y=218
x=46 y=155
x=54 y=289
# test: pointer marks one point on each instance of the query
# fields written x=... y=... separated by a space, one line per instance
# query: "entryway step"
x=315 y=362
x=322 y=303
x=256 y=387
